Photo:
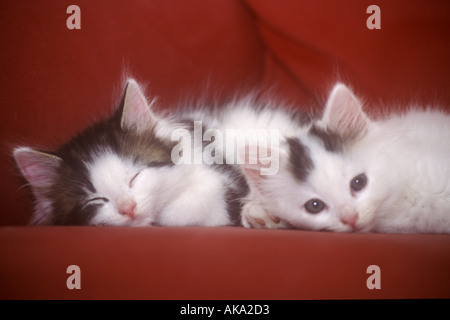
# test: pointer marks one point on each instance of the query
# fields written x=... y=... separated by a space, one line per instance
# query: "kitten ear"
x=343 y=113
x=260 y=162
x=136 y=112
x=39 y=168
x=250 y=165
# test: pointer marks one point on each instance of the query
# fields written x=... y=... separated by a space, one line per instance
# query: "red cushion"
x=219 y=263
x=310 y=44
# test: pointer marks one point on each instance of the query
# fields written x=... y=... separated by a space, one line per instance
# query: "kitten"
x=119 y=172
x=349 y=173
x=243 y=130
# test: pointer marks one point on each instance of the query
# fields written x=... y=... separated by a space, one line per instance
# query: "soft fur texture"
x=119 y=172
x=251 y=164
x=249 y=132
x=363 y=175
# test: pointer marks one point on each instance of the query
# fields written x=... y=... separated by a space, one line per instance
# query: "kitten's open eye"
x=358 y=183
x=315 y=206
x=134 y=178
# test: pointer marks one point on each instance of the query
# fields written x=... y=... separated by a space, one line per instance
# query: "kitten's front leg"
x=254 y=215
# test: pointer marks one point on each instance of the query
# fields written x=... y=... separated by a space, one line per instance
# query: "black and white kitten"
x=119 y=172
x=251 y=133
x=347 y=172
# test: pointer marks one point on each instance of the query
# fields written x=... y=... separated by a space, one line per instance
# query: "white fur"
x=179 y=195
x=407 y=157
x=199 y=200
x=129 y=194
x=238 y=117
x=406 y=161
x=284 y=196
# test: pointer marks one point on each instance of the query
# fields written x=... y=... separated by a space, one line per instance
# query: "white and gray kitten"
x=349 y=173
x=119 y=172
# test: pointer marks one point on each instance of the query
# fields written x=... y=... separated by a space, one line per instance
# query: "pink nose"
x=348 y=216
x=126 y=208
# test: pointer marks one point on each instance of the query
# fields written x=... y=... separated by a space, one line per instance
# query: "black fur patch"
x=235 y=193
x=299 y=159
x=331 y=141
x=235 y=196
x=68 y=193
x=303 y=118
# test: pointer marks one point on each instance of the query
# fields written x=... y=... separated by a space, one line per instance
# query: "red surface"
x=219 y=263
x=54 y=81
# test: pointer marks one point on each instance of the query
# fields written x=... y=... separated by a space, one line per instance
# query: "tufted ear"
x=343 y=113
x=136 y=112
x=39 y=168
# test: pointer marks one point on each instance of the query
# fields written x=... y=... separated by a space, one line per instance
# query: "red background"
x=54 y=81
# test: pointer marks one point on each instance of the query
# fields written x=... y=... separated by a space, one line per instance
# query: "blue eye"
x=314 y=206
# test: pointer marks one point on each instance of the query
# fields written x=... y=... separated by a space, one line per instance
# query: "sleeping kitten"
x=119 y=172
x=348 y=173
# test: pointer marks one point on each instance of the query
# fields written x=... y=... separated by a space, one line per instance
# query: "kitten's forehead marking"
x=331 y=141
x=108 y=171
x=299 y=159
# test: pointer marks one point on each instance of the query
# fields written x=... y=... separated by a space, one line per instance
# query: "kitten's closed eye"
x=97 y=200
x=358 y=183
x=133 y=179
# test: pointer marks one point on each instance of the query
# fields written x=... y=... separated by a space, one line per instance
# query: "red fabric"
x=310 y=44
x=219 y=263
x=54 y=81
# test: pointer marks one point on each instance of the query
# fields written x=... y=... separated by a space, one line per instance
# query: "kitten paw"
x=255 y=216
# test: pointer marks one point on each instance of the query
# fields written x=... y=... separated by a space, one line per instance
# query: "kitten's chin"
x=364 y=224
x=137 y=221
x=343 y=228
x=142 y=223
x=361 y=229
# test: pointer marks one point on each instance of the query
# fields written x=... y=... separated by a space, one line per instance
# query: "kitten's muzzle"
x=127 y=208
x=349 y=216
